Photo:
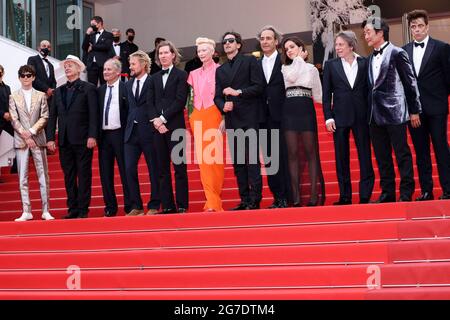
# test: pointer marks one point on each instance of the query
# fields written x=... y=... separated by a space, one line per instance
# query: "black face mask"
x=116 y=39
x=216 y=59
x=94 y=27
x=45 y=52
x=130 y=38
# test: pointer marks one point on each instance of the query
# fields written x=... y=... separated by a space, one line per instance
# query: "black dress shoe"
x=83 y=215
x=445 y=196
x=71 y=215
x=343 y=202
x=169 y=211
x=240 y=206
x=275 y=204
x=425 y=196
x=384 y=198
x=282 y=203
x=253 y=206
x=110 y=214
x=364 y=201
x=182 y=210
x=312 y=204
x=405 y=199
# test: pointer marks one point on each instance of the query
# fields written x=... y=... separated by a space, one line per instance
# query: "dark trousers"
x=95 y=74
x=384 y=139
x=434 y=127
x=76 y=162
x=342 y=149
x=279 y=183
x=164 y=146
x=247 y=172
x=134 y=148
x=110 y=148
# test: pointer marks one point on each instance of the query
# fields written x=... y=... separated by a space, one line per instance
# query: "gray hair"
x=349 y=37
x=115 y=30
x=116 y=63
x=278 y=34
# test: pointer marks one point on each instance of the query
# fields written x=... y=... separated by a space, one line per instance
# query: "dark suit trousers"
x=133 y=150
x=110 y=148
x=247 y=172
x=164 y=147
x=342 y=149
x=279 y=183
x=95 y=74
x=384 y=138
x=436 y=128
x=76 y=162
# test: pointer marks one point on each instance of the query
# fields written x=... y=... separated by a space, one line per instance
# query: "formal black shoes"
x=364 y=201
x=240 y=206
x=110 y=214
x=385 y=198
x=425 y=196
x=279 y=204
x=343 y=202
x=182 y=210
x=169 y=211
x=71 y=215
x=445 y=196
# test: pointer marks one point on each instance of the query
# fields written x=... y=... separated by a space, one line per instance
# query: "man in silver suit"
x=29 y=115
x=393 y=102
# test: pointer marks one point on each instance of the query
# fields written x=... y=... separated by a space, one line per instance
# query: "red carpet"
x=402 y=249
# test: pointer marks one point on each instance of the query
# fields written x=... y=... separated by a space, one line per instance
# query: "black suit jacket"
x=138 y=111
x=77 y=120
x=42 y=82
x=434 y=76
x=394 y=94
x=123 y=105
x=154 y=67
x=101 y=50
x=274 y=93
x=349 y=104
x=169 y=101
x=5 y=92
x=246 y=75
x=126 y=49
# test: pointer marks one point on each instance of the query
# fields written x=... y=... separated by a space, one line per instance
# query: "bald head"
x=45 y=47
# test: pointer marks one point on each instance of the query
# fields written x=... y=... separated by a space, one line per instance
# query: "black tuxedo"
x=126 y=49
x=42 y=82
x=433 y=80
x=392 y=97
x=139 y=139
x=169 y=102
x=5 y=92
x=111 y=147
x=243 y=73
x=347 y=106
x=154 y=68
x=101 y=52
x=75 y=110
x=270 y=119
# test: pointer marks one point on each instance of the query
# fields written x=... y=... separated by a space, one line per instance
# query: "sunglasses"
x=229 y=40
x=27 y=75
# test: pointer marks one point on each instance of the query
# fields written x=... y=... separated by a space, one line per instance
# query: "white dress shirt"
x=351 y=70
x=116 y=47
x=114 y=108
x=268 y=63
x=47 y=68
x=418 y=53
x=378 y=60
x=141 y=84
x=97 y=35
x=166 y=76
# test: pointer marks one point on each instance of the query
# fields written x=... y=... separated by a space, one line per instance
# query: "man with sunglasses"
x=239 y=85
x=29 y=115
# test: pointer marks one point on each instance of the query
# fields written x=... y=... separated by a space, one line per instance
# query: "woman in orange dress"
x=207 y=125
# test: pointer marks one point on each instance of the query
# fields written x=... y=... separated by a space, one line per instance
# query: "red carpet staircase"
x=388 y=251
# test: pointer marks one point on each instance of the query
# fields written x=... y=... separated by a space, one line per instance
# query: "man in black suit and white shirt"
x=239 y=86
x=270 y=113
x=393 y=102
x=113 y=104
x=45 y=72
x=345 y=108
x=98 y=47
x=430 y=58
x=75 y=109
x=168 y=91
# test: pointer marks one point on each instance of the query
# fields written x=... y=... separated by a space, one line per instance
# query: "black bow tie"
x=116 y=44
x=377 y=52
x=163 y=72
x=419 y=44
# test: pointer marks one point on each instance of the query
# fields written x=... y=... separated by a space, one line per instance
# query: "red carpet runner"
x=390 y=251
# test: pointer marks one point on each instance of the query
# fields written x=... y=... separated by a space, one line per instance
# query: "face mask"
x=45 y=52
x=130 y=38
x=116 y=39
x=94 y=27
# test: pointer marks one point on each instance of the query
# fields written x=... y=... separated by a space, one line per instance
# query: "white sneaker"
x=25 y=217
x=47 y=216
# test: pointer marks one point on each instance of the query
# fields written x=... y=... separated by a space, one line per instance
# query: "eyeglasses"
x=26 y=75
x=229 y=40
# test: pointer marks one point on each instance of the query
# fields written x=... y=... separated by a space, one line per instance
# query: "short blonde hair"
x=173 y=49
x=210 y=42
x=143 y=59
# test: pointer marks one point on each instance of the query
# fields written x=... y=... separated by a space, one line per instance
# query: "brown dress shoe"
x=152 y=212
x=136 y=212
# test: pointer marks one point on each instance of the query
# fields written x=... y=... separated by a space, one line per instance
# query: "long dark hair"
x=284 y=58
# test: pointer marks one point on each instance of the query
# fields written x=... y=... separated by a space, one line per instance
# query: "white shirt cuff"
x=33 y=132
x=329 y=121
x=163 y=119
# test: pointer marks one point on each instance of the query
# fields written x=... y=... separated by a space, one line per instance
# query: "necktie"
x=108 y=105
x=136 y=93
x=419 y=44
